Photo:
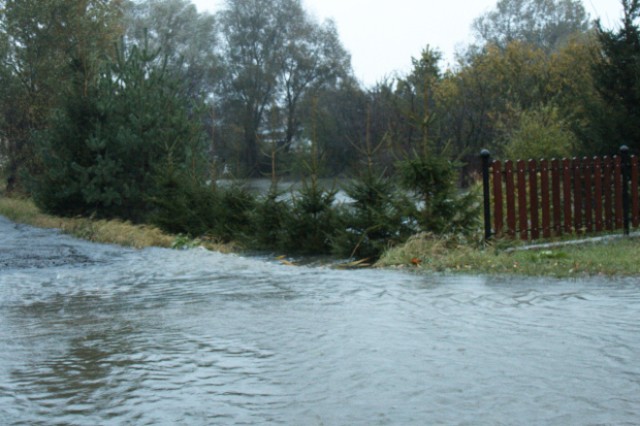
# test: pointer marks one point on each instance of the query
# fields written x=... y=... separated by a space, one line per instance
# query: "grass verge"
x=424 y=252
x=616 y=257
x=101 y=231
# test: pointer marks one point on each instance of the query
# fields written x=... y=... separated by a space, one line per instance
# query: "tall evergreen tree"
x=617 y=80
x=48 y=44
x=107 y=150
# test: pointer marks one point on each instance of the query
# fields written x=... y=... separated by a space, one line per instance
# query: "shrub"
x=182 y=205
x=233 y=213
x=313 y=220
x=440 y=207
x=269 y=219
x=374 y=221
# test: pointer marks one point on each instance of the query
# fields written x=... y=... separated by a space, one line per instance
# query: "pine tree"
x=617 y=79
x=107 y=150
x=374 y=220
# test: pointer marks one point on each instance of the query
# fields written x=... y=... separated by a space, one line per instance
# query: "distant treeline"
x=110 y=107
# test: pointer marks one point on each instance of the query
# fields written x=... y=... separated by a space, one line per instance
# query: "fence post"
x=624 y=156
x=486 y=157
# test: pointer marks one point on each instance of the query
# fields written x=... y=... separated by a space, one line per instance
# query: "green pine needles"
x=107 y=152
x=439 y=206
x=374 y=221
x=127 y=147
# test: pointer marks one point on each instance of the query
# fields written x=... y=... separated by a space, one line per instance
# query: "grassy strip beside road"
x=425 y=253
x=617 y=257
x=100 y=231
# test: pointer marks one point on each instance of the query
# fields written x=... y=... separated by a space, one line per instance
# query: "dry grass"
x=102 y=231
x=429 y=252
x=426 y=252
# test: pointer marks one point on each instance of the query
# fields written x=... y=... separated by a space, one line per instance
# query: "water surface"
x=95 y=334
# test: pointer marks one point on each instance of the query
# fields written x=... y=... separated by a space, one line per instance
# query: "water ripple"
x=192 y=337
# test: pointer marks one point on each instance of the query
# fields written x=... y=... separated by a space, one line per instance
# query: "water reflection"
x=168 y=337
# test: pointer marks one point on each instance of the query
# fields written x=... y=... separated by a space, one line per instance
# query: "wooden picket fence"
x=550 y=198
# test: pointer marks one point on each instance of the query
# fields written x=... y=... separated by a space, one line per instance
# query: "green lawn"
x=612 y=257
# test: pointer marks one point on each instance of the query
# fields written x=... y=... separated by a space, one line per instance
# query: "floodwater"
x=94 y=334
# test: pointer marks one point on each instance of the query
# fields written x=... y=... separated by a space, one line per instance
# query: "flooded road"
x=93 y=334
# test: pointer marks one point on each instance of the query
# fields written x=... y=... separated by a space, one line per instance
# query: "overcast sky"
x=383 y=35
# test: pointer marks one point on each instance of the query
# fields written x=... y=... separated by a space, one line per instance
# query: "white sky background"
x=382 y=36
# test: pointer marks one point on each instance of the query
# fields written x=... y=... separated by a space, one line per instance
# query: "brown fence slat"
x=556 y=195
x=497 y=197
x=608 y=193
x=544 y=198
x=617 y=179
x=588 y=194
x=635 y=196
x=566 y=190
x=577 y=195
x=533 y=200
x=511 y=194
x=597 y=195
x=522 y=200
